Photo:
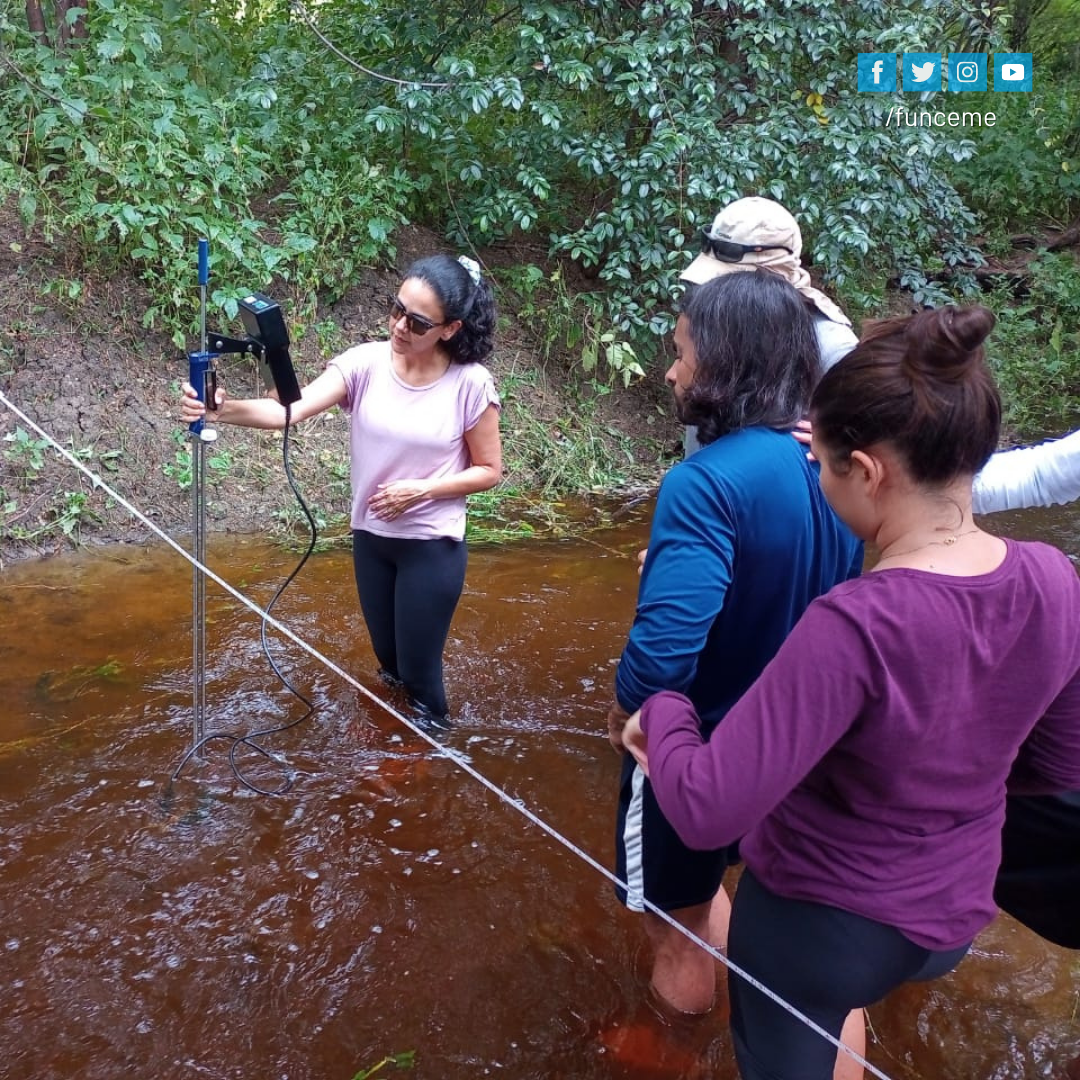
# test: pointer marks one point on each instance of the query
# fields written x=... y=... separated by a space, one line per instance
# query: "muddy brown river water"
x=387 y=903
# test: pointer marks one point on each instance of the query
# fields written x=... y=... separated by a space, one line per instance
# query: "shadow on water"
x=388 y=902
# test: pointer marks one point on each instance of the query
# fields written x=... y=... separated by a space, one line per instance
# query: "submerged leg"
x=684 y=974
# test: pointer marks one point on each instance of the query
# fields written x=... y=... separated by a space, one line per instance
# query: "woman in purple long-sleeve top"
x=866 y=770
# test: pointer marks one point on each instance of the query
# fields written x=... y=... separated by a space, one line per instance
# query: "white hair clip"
x=472 y=267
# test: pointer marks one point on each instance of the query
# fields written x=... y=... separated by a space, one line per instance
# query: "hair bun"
x=944 y=342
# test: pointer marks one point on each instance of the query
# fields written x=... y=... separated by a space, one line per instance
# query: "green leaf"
x=27 y=207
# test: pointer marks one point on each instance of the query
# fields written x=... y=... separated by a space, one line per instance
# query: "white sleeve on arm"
x=690 y=443
x=1040 y=475
x=835 y=340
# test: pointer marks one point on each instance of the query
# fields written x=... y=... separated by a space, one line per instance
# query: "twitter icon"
x=922 y=71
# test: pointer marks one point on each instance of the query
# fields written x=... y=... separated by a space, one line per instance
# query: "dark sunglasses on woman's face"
x=416 y=324
x=729 y=251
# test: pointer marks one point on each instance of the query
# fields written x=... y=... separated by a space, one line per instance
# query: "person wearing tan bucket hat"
x=757 y=232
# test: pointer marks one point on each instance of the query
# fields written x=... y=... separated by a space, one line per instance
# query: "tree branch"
x=35 y=20
x=305 y=15
x=1068 y=237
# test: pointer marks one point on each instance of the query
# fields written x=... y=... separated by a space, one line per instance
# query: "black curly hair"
x=461 y=298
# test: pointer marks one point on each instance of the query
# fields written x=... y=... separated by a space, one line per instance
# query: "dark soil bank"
x=76 y=361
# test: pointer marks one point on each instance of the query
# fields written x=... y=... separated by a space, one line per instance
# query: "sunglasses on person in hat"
x=730 y=251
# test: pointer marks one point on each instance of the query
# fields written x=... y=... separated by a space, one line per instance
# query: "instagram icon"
x=967 y=71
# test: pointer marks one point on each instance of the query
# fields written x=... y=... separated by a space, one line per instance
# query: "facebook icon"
x=877 y=71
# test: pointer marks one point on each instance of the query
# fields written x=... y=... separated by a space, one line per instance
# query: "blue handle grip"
x=204 y=261
x=203 y=378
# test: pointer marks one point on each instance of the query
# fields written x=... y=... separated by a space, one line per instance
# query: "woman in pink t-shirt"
x=424 y=434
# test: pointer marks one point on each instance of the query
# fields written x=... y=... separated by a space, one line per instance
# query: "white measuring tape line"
x=445 y=751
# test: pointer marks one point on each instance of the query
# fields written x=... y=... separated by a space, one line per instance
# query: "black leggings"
x=820 y=959
x=408 y=592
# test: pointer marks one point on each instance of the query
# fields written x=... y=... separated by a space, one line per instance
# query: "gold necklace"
x=948 y=541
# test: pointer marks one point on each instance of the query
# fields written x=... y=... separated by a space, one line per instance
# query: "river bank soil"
x=76 y=361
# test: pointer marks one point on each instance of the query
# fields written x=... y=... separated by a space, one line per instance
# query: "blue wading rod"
x=202 y=377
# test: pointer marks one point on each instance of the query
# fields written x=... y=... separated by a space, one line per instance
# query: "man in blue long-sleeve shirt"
x=742 y=540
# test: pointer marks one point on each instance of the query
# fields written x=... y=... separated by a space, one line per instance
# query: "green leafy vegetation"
x=164 y=126
x=28 y=516
x=498 y=516
x=1027 y=168
x=73 y=683
x=64 y=515
x=25 y=453
x=1035 y=345
x=218 y=461
x=1025 y=177
x=615 y=131
x=597 y=137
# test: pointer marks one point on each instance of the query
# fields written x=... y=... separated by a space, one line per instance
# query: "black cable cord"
x=249 y=740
